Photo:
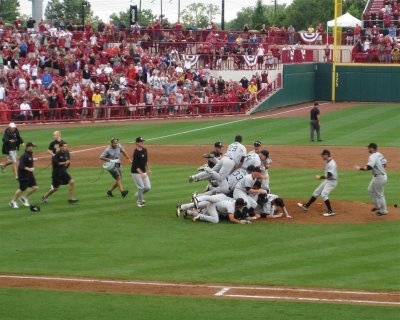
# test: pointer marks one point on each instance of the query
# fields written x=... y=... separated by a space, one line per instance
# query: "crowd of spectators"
x=51 y=74
x=385 y=18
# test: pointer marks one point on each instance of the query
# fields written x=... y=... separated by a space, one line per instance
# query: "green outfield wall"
x=301 y=83
x=353 y=82
x=372 y=83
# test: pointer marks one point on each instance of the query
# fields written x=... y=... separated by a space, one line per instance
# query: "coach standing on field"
x=11 y=142
x=140 y=171
x=315 y=122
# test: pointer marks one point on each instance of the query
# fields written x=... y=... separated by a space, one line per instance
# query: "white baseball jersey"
x=378 y=163
x=247 y=182
x=236 y=151
x=235 y=177
x=268 y=208
x=226 y=207
x=331 y=167
x=252 y=158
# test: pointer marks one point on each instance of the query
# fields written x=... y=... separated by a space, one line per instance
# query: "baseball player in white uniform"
x=233 y=158
x=245 y=189
x=210 y=208
x=271 y=205
x=327 y=186
x=377 y=164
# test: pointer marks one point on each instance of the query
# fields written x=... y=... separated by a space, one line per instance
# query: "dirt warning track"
x=272 y=293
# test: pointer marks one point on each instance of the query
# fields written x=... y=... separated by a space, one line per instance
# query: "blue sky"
x=103 y=8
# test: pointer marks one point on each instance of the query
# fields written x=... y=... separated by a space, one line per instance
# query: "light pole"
x=161 y=15
x=84 y=4
x=223 y=15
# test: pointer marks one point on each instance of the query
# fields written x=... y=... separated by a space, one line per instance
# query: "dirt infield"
x=300 y=157
x=274 y=293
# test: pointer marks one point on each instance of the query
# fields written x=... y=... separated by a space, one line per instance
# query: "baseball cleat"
x=191 y=179
x=124 y=193
x=195 y=201
x=73 y=201
x=141 y=204
x=24 y=201
x=178 y=211
x=329 y=214
x=109 y=194
x=45 y=200
x=302 y=206
x=380 y=214
x=13 y=205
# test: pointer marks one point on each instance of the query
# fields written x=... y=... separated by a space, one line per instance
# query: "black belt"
x=117 y=165
x=376 y=175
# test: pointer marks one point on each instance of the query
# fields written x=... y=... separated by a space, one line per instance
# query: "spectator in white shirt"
x=25 y=109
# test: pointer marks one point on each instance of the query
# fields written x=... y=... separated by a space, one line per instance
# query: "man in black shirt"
x=61 y=161
x=315 y=122
x=54 y=146
x=11 y=142
x=26 y=178
x=140 y=171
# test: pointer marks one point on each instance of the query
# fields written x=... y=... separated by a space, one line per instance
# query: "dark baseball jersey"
x=139 y=160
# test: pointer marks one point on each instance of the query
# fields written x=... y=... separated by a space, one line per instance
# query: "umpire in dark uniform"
x=26 y=178
x=315 y=124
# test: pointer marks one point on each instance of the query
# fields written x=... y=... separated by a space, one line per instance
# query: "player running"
x=377 y=164
x=26 y=178
x=112 y=162
x=327 y=186
x=61 y=162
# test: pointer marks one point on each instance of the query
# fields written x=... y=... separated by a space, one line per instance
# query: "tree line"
x=300 y=13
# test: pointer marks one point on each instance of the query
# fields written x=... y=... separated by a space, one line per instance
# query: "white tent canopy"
x=345 y=21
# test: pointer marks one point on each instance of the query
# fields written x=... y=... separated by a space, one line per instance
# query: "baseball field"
x=105 y=258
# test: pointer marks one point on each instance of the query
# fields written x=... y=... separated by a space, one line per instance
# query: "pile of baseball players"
x=23 y=168
x=238 y=187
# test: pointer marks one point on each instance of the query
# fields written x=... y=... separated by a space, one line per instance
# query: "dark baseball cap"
x=325 y=152
x=139 y=139
x=257 y=169
x=265 y=153
x=257 y=143
x=114 y=139
x=373 y=145
x=218 y=144
x=240 y=202
x=30 y=144
x=279 y=202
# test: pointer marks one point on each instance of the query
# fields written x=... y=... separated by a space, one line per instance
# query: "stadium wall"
x=372 y=83
x=301 y=83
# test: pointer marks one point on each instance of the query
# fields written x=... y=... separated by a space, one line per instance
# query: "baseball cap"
x=218 y=144
x=257 y=143
x=240 y=202
x=279 y=202
x=257 y=169
x=30 y=144
x=325 y=152
x=373 y=145
x=265 y=153
x=139 y=139
x=114 y=139
x=12 y=125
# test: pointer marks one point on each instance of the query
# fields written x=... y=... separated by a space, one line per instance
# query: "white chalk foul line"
x=229 y=123
x=245 y=296
x=222 y=292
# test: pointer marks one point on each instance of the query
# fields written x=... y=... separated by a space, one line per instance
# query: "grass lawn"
x=113 y=238
x=22 y=304
x=349 y=127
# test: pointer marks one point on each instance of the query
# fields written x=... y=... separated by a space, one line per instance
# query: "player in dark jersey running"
x=61 y=162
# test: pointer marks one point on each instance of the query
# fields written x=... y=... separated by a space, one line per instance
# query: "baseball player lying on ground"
x=211 y=208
